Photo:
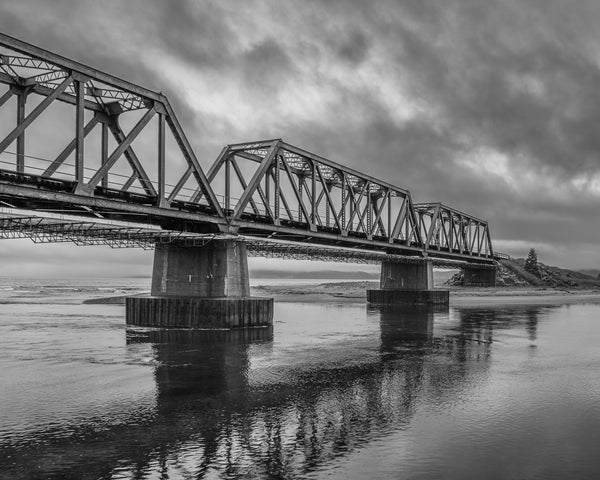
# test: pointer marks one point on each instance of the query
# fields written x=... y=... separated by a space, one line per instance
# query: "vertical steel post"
x=300 y=200
x=327 y=210
x=370 y=204
x=268 y=191
x=79 y=135
x=342 y=212
x=451 y=231
x=161 y=160
x=21 y=100
x=389 y=218
x=313 y=214
x=104 y=152
x=351 y=207
x=277 y=186
x=461 y=234
x=228 y=184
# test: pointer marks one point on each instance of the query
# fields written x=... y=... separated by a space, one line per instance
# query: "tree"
x=531 y=263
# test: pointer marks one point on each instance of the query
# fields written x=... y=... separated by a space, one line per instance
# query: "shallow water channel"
x=333 y=390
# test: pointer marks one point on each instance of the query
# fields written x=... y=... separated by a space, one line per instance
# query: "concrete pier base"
x=211 y=313
x=479 y=277
x=407 y=284
x=408 y=297
x=203 y=287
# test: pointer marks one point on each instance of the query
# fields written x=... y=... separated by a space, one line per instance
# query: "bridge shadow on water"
x=220 y=409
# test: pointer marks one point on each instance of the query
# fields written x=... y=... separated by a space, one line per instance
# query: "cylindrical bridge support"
x=407 y=284
x=200 y=287
x=217 y=269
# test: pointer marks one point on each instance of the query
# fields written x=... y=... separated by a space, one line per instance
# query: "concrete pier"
x=407 y=284
x=479 y=277
x=200 y=287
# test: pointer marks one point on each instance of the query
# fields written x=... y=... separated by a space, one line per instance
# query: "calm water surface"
x=336 y=391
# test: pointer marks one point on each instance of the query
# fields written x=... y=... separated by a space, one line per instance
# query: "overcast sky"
x=489 y=106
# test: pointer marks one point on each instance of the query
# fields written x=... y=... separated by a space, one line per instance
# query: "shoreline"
x=355 y=292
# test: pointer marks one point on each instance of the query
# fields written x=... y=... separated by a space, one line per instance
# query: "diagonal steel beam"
x=6 y=97
x=282 y=197
x=184 y=178
x=37 y=111
x=265 y=200
x=124 y=145
x=356 y=203
x=295 y=188
x=413 y=220
x=190 y=157
x=400 y=219
x=446 y=240
x=131 y=157
x=256 y=178
x=480 y=238
x=315 y=218
x=62 y=156
x=218 y=163
x=433 y=226
x=377 y=209
x=212 y=173
x=489 y=240
x=329 y=200
x=378 y=223
x=129 y=182
x=243 y=183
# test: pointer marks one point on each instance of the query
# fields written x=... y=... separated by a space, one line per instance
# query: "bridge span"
x=90 y=158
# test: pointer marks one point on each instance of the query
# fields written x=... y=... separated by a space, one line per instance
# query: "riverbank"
x=355 y=292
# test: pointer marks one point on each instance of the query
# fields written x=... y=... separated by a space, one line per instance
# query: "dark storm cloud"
x=352 y=46
x=501 y=79
x=198 y=36
x=433 y=95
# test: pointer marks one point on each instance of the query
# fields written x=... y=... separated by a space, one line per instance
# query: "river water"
x=333 y=390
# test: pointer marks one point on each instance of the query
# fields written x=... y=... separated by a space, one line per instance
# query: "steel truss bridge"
x=89 y=158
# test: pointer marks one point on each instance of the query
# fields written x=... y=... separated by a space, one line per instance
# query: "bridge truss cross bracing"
x=80 y=142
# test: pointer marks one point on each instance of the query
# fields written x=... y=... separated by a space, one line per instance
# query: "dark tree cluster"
x=531 y=263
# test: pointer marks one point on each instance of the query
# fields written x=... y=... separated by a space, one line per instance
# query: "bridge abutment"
x=200 y=287
x=479 y=276
x=407 y=284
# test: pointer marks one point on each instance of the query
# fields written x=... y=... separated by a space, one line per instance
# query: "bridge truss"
x=78 y=141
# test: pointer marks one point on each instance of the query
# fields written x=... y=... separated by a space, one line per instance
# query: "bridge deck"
x=84 y=231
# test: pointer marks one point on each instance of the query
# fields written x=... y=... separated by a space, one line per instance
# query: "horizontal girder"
x=82 y=231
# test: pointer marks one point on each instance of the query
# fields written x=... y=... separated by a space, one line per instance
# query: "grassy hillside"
x=512 y=273
x=550 y=276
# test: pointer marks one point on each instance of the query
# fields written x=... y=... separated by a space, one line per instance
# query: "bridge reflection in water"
x=220 y=410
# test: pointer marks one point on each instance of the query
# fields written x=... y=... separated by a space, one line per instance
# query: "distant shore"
x=355 y=292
